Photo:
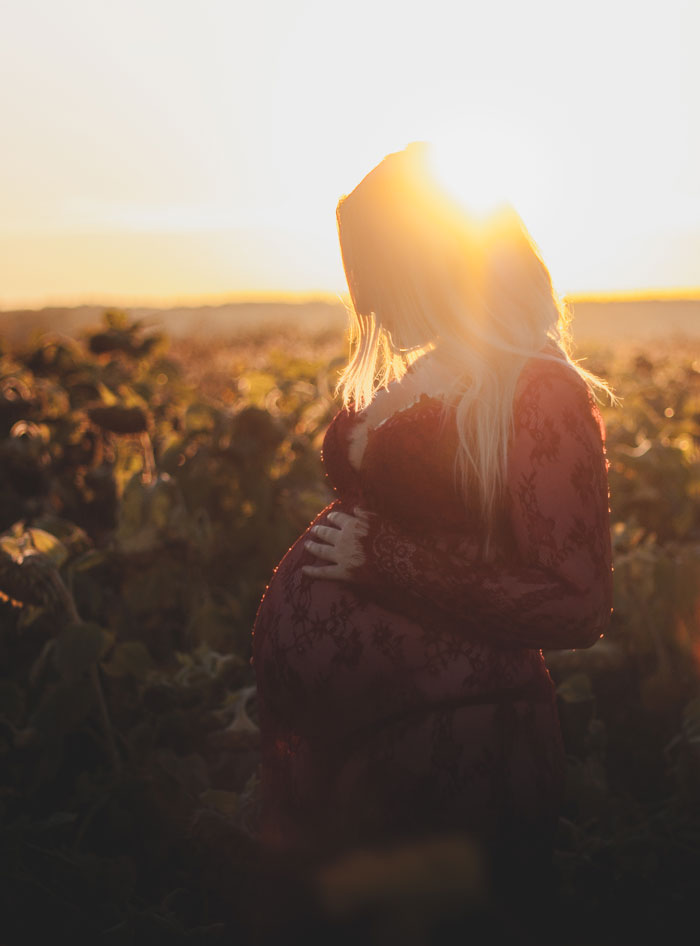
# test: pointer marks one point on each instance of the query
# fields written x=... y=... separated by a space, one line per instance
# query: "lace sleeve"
x=555 y=590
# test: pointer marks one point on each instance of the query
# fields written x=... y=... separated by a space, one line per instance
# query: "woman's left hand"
x=338 y=544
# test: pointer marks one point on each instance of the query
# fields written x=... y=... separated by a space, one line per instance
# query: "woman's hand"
x=338 y=544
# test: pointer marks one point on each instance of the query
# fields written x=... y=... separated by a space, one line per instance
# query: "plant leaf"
x=78 y=647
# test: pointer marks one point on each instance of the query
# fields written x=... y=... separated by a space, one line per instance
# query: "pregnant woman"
x=398 y=647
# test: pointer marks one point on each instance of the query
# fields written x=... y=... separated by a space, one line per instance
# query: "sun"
x=488 y=172
x=471 y=183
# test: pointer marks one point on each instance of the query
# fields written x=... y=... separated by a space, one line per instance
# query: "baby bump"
x=327 y=655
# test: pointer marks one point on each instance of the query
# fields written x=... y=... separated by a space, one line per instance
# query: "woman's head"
x=403 y=246
x=425 y=275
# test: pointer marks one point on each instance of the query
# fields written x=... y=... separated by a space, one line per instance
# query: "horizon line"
x=241 y=297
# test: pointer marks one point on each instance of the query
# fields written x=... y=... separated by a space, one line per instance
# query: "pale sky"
x=154 y=150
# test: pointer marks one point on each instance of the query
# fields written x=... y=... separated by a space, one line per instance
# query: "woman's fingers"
x=335 y=572
x=326 y=533
x=349 y=525
x=342 y=519
x=321 y=550
x=338 y=544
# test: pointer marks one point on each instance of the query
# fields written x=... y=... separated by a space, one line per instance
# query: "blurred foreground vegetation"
x=146 y=492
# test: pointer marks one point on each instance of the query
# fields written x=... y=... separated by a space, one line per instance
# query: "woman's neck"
x=433 y=373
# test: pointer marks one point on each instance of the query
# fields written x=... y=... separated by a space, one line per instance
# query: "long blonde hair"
x=421 y=272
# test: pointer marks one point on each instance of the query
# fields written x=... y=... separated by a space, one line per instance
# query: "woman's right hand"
x=338 y=544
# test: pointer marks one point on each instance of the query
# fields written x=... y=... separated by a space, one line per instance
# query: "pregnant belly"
x=330 y=658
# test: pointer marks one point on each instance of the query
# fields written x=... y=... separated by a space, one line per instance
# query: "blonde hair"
x=422 y=273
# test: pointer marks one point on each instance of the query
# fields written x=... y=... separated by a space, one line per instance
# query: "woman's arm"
x=555 y=590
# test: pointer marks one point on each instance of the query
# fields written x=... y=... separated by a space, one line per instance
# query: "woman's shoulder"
x=551 y=373
x=551 y=393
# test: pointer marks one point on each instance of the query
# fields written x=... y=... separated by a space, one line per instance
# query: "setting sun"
x=484 y=179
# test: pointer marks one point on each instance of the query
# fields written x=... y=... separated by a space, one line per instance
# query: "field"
x=148 y=487
x=617 y=318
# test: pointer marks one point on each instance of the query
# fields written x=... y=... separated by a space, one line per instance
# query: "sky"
x=170 y=150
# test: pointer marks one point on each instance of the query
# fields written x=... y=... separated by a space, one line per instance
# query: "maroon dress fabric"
x=415 y=698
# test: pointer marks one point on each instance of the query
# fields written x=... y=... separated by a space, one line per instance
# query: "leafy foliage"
x=145 y=496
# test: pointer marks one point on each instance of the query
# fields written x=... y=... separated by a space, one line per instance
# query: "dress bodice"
x=407 y=469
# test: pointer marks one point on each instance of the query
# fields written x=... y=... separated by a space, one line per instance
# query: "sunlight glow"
x=471 y=180
x=492 y=167
x=186 y=145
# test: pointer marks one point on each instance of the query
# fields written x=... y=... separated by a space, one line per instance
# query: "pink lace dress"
x=415 y=698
